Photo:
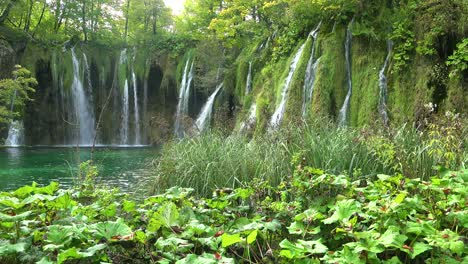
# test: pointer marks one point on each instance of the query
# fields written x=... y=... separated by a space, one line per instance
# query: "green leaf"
x=393 y=238
x=128 y=206
x=112 y=230
x=343 y=211
x=252 y=237
x=290 y=250
x=71 y=253
x=400 y=197
x=14 y=218
x=8 y=249
x=419 y=248
x=228 y=240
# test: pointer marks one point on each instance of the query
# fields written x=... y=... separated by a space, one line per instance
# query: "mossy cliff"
x=49 y=118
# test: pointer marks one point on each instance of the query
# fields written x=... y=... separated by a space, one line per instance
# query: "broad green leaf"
x=12 y=202
x=419 y=248
x=71 y=253
x=112 y=230
x=14 y=218
x=290 y=250
x=110 y=211
x=128 y=206
x=393 y=238
x=252 y=237
x=343 y=211
x=228 y=240
x=50 y=189
x=400 y=197
x=7 y=249
x=168 y=215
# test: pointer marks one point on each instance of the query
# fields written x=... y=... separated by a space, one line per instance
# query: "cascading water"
x=136 y=110
x=310 y=74
x=248 y=123
x=343 y=117
x=248 y=85
x=81 y=106
x=279 y=112
x=15 y=130
x=204 y=118
x=383 y=85
x=125 y=124
x=184 y=93
x=15 y=134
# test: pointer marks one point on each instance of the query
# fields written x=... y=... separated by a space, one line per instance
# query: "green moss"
x=457 y=97
x=330 y=83
x=409 y=91
x=296 y=90
x=368 y=58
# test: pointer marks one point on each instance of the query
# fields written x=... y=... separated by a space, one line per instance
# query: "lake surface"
x=119 y=167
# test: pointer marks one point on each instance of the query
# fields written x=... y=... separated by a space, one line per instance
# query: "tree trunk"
x=83 y=17
x=6 y=12
x=40 y=18
x=28 y=18
x=127 y=11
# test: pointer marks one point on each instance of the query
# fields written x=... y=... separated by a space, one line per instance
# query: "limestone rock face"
x=7 y=59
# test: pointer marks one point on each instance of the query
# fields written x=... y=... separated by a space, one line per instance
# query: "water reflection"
x=118 y=167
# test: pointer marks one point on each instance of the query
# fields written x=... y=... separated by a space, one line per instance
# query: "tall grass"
x=214 y=160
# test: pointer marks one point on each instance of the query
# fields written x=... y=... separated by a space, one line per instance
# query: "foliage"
x=14 y=93
x=459 y=59
x=312 y=217
x=214 y=160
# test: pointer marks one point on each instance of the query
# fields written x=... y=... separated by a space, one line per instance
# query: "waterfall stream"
x=125 y=119
x=383 y=85
x=309 y=80
x=204 y=118
x=279 y=112
x=81 y=106
x=15 y=134
x=343 y=117
x=248 y=85
x=184 y=94
x=251 y=119
x=136 y=110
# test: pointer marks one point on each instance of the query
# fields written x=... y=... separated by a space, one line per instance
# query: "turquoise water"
x=119 y=167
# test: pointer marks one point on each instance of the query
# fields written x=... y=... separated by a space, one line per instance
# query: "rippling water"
x=121 y=167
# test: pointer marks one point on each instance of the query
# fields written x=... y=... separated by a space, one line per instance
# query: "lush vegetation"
x=14 y=93
x=307 y=193
x=216 y=160
x=387 y=219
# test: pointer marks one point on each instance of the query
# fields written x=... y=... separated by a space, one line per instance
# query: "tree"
x=14 y=93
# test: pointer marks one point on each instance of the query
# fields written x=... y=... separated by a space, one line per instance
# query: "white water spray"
x=279 y=112
x=343 y=117
x=81 y=106
x=204 y=118
x=383 y=85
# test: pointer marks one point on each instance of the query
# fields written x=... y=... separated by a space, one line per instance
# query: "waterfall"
x=343 y=117
x=125 y=124
x=136 y=110
x=15 y=134
x=248 y=85
x=184 y=93
x=204 y=118
x=88 y=73
x=383 y=85
x=248 y=123
x=81 y=106
x=15 y=130
x=279 y=112
x=309 y=80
